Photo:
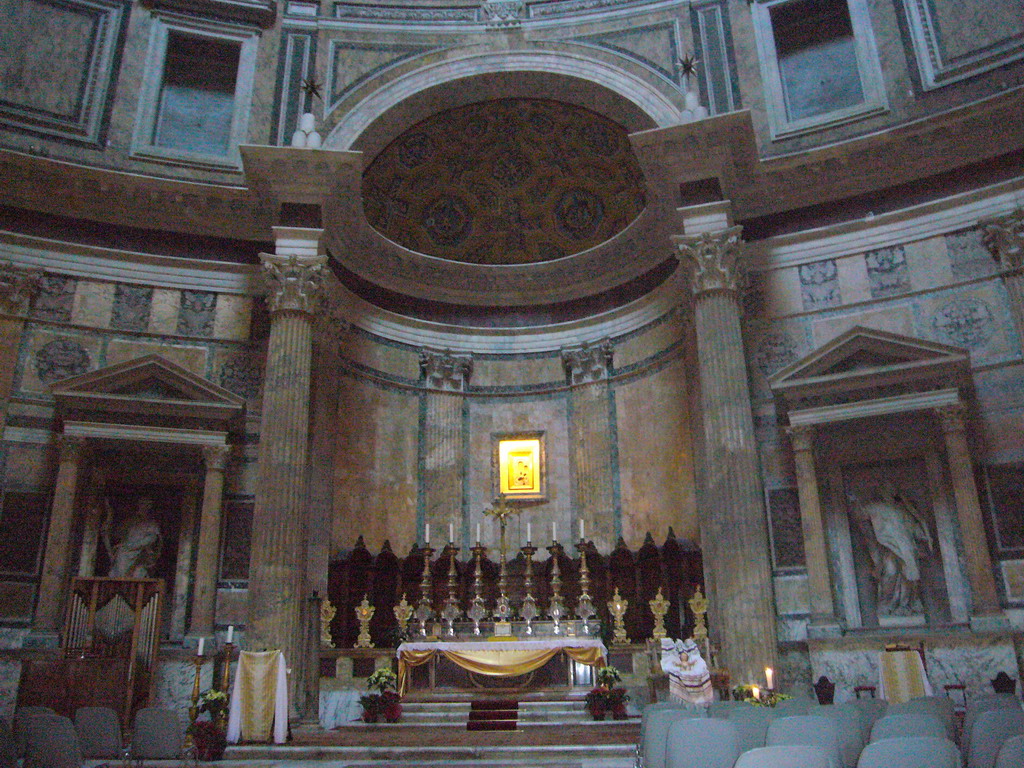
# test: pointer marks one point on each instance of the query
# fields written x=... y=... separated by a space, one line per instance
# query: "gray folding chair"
x=723 y=708
x=808 y=730
x=52 y=743
x=1011 y=754
x=988 y=733
x=157 y=735
x=655 y=736
x=910 y=752
x=21 y=718
x=751 y=725
x=99 y=732
x=710 y=743
x=788 y=756
x=976 y=707
x=908 y=724
x=939 y=706
x=795 y=706
x=849 y=730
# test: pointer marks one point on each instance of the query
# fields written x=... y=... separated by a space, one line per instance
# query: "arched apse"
x=636 y=98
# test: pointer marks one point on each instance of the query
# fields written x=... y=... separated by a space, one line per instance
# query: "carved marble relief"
x=965 y=322
x=61 y=358
x=197 y=314
x=968 y=255
x=131 y=307
x=819 y=285
x=55 y=298
x=888 y=274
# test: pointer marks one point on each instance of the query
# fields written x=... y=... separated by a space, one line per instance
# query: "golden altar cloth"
x=499 y=658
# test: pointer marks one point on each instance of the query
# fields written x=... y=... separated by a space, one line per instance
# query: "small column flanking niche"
x=895 y=487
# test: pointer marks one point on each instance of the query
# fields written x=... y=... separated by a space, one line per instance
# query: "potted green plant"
x=383 y=701
x=209 y=739
x=615 y=699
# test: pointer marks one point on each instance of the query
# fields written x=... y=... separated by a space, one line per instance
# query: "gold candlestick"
x=528 y=611
x=424 y=609
x=659 y=607
x=450 y=612
x=364 y=612
x=617 y=607
x=556 y=608
x=585 y=605
x=225 y=677
x=477 y=610
x=193 y=710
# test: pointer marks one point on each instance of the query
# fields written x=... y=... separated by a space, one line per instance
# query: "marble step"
x=521 y=756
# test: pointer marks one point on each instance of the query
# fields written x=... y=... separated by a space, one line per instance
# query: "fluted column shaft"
x=819 y=580
x=276 y=571
x=1004 y=236
x=57 y=557
x=968 y=510
x=204 y=581
x=734 y=537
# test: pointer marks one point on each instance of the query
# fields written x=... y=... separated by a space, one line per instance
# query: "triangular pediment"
x=147 y=386
x=866 y=358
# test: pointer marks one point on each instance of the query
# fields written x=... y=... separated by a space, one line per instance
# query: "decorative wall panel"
x=58 y=61
x=957 y=39
x=656 y=46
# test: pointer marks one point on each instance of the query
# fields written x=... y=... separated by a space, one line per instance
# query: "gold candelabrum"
x=364 y=612
x=450 y=612
x=699 y=606
x=659 y=607
x=556 y=608
x=617 y=607
x=528 y=611
x=501 y=511
x=585 y=605
x=477 y=610
x=403 y=612
x=424 y=610
x=327 y=614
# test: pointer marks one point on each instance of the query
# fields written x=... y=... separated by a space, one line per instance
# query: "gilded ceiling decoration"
x=514 y=181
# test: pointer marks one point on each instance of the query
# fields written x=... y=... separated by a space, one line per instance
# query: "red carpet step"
x=493 y=715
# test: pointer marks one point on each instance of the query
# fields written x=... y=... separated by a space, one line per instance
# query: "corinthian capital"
x=1004 y=236
x=713 y=258
x=293 y=282
x=588 y=362
x=446 y=371
x=17 y=286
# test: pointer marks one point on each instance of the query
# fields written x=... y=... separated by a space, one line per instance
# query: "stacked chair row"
x=920 y=733
x=44 y=739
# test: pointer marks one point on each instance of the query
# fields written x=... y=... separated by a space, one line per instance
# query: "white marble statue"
x=133 y=544
x=894 y=531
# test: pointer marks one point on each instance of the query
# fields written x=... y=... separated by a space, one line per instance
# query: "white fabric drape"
x=243 y=694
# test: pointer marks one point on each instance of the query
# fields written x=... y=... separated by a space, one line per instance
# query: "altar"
x=498 y=658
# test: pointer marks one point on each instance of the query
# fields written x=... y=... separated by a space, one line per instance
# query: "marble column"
x=204 y=576
x=592 y=443
x=276 y=573
x=985 y=599
x=442 y=450
x=734 y=536
x=1005 y=238
x=819 y=579
x=56 y=559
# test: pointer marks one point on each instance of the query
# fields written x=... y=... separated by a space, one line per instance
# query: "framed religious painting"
x=518 y=467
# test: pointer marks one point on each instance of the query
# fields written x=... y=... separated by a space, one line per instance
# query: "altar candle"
x=231 y=632
x=478 y=533
x=529 y=533
x=581 y=528
x=451 y=531
x=554 y=531
x=769 y=677
x=755 y=692
x=426 y=535
x=202 y=644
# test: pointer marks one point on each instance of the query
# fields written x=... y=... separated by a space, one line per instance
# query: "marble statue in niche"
x=134 y=543
x=894 y=532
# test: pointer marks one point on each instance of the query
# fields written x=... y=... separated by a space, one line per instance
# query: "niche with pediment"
x=869 y=400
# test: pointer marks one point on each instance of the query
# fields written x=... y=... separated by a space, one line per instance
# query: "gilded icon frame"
x=518 y=466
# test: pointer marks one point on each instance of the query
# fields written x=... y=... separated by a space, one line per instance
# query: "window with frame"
x=819 y=62
x=195 y=95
